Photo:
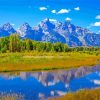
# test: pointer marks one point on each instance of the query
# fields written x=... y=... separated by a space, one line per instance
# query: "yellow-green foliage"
x=13 y=43
x=45 y=61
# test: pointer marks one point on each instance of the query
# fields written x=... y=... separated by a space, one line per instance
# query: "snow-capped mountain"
x=26 y=31
x=49 y=31
x=6 y=30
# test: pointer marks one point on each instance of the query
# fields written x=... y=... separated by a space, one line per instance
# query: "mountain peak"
x=7 y=26
x=46 y=20
x=25 y=27
x=46 y=24
x=26 y=24
x=49 y=31
x=6 y=30
x=67 y=22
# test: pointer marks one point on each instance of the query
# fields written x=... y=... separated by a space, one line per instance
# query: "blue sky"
x=84 y=13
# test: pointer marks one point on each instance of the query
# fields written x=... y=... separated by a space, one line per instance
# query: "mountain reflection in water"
x=43 y=85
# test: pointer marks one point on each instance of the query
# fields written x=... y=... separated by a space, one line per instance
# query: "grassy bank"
x=82 y=95
x=45 y=61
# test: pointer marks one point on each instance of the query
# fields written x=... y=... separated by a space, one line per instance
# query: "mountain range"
x=54 y=31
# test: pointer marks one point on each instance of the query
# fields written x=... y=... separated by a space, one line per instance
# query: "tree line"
x=13 y=43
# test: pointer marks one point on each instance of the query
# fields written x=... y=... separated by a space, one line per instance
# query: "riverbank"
x=32 y=61
x=81 y=95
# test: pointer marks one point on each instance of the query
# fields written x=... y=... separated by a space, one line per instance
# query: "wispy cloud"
x=77 y=8
x=98 y=17
x=12 y=24
x=68 y=19
x=43 y=8
x=54 y=11
x=62 y=11
x=53 y=20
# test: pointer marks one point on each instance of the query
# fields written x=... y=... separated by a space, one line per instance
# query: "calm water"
x=43 y=85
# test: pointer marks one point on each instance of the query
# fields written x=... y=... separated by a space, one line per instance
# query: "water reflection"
x=43 y=85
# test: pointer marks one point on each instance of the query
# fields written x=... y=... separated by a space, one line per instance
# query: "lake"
x=42 y=85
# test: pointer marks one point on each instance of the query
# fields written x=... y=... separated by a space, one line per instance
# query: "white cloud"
x=96 y=24
x=43 y=8
x=54 y=11
x=68 y=19
x=13 y=24
x=53 y=20
x=77 y=8
x=62 y=11
x=98 y=17
x=93 y=24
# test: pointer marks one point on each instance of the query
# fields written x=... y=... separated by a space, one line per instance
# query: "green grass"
x=45 y=61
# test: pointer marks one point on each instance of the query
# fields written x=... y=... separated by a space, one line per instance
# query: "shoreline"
x=51 y=69
x=37 y=62
x=94 y=93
